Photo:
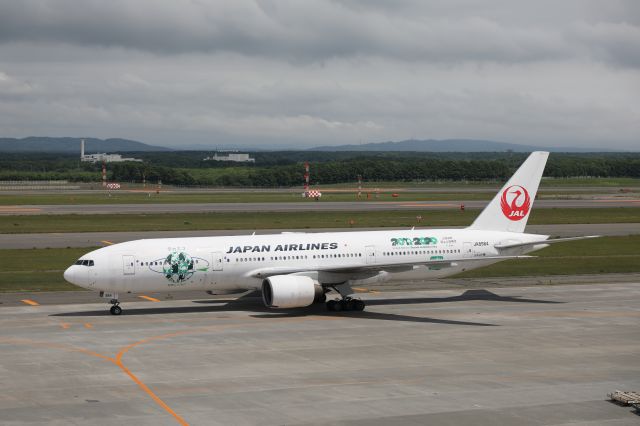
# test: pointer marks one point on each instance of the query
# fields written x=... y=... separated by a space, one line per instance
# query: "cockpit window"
x=78 y=262
x=84 y=262
x=91 y=263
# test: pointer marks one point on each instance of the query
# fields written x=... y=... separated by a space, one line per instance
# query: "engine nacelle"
x=290 y=291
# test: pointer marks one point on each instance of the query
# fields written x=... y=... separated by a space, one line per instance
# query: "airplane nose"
x=69 y=275
x=77 y=275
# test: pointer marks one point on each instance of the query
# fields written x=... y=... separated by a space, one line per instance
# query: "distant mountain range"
x=72 y=145
x=93 y=145
x=448 y=145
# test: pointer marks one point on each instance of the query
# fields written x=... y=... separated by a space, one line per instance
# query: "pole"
x=306 y=177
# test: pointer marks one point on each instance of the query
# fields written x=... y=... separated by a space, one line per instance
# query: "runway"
x=299 y=206
x=92 y=239
x=510 y=356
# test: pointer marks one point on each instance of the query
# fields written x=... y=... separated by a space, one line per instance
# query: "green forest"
x=285 y=168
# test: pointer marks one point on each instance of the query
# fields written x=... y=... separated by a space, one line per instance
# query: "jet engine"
x=291 y=291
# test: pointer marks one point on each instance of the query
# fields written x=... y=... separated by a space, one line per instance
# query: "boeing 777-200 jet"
x=298 y=269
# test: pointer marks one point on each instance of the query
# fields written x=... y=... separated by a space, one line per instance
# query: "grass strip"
x=293 y=220
x=149 y=196
x=37 y=269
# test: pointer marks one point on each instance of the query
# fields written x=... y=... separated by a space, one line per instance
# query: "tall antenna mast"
x=306 y=176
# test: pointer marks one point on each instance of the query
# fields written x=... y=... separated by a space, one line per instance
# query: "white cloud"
x=322 y=72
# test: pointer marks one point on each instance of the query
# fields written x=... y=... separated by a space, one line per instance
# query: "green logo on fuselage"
x=416 y=241
x=178 y=267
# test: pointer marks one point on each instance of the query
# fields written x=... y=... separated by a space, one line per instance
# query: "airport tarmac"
x=545 y=355
x=92 y=239
x=299 y=206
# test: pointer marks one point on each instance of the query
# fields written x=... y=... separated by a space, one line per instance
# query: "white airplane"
x=297 y=269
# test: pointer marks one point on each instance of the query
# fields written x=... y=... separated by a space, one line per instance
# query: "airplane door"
x=467 y=250
x=217 y=261
x=128 y=265
x=370 y=253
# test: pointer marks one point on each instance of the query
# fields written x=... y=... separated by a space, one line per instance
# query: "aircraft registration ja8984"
x=297 y=269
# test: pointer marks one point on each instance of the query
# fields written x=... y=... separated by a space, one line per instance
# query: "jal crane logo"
x=515 y=202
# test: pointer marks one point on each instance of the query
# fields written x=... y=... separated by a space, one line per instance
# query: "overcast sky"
x=306 y=73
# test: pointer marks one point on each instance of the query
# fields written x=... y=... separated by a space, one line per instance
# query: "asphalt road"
x=525 y=356
x=92 y=239
x=299 y=206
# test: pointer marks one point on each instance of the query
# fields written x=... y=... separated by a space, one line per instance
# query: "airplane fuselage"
x=224 y=264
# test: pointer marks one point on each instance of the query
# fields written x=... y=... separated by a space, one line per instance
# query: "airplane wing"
x=351 y=269
x=508 y=245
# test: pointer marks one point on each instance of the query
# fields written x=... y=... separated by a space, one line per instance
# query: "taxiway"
x=545 y=355
x=299 y=206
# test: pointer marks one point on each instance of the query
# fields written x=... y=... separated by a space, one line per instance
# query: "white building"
x=99 y=158
x=232 y=156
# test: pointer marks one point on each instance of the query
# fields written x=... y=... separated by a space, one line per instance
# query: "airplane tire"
x=349 y=305
x=115 y=310
x=358 y=305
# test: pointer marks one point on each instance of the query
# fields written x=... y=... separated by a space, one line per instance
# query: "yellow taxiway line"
x=30 y=302
x=150 y=299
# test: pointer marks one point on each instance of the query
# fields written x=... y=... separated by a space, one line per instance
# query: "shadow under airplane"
x=252 y=302
x=466 y=296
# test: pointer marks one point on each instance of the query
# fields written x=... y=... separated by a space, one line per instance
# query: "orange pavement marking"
x=107 y=242
x=429 y=205
x=65 y=325
x=150 y=299
x=118 y=358
x=149 y=392
x=88 y=325
x=30 y=302
x=611 y=200
x=17 y=209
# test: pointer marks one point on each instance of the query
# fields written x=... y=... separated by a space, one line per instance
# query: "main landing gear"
x=115 y=309
x=347 y=303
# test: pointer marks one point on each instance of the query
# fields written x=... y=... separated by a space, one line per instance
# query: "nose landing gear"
x=115 y=309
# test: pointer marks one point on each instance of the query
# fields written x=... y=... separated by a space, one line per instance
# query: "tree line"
x=286 y=172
